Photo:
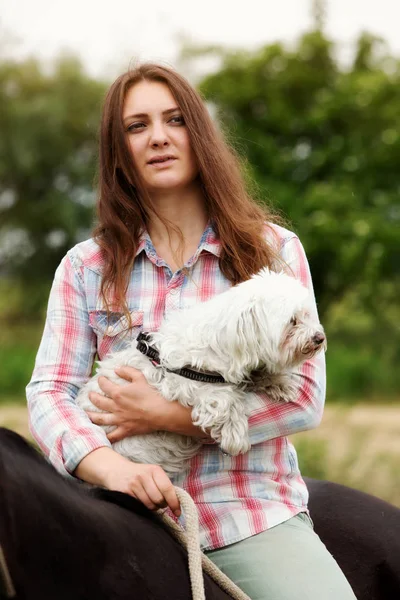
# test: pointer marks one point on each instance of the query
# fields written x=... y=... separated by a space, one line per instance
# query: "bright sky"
x=107 y=35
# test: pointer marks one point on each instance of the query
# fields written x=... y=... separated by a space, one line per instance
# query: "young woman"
x=175 y=227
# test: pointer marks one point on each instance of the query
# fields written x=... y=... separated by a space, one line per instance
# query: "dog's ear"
x=241 y=338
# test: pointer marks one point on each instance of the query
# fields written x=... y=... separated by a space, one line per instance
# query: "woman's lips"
x=162 y=164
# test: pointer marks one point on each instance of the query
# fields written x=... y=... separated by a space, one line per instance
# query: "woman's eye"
x=177 y=120
x=135 y=126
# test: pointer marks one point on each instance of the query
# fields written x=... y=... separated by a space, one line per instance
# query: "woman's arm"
x=147 y=483
x=63 y=364
x=269 y=419
x=74 y=445
x=138 y=408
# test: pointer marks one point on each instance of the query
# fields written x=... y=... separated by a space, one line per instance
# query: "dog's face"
x=276 y=328
x=301 y=339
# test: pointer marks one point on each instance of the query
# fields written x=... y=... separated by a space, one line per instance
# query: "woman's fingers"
x=128 y=373
x=148 y=483
x=117 y=434
x=155 y=490
x=102 y=402
x=166 y=488
x=110 y=389
x=140 y=493
x=101 y=418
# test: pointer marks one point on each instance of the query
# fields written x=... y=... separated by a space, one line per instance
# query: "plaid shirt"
x=236 y=496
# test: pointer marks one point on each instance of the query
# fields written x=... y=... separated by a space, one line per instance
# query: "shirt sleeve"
x=267 y=419
x=63 y=364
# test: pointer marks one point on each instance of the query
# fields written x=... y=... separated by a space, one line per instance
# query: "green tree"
x=323 y=145
x=48 y=148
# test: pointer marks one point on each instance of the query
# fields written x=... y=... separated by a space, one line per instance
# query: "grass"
x=358 y=446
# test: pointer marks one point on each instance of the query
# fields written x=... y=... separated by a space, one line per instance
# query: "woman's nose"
x=159 y=136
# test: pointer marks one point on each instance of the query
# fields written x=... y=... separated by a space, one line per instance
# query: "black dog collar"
x=145 y=348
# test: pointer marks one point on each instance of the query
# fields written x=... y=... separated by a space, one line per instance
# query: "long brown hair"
x=124 y=207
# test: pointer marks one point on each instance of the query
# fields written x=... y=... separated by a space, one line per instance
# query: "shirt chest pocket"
x=115 y=332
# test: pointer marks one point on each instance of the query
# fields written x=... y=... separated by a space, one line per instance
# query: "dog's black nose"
x=318 y=339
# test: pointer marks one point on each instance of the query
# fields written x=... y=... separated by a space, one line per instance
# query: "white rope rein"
x=197 y=560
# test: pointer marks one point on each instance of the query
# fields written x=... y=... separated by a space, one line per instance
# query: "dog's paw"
x=234 y=438
x=235 y=449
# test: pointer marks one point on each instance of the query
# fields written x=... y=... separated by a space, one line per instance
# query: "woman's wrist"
x=97 y=465
x=178 y=419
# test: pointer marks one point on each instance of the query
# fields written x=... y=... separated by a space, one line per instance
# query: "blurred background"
x=308 y=92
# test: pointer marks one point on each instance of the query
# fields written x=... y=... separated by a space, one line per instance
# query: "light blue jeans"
x=287 y=562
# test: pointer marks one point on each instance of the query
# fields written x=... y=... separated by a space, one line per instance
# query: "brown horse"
x=63 y=541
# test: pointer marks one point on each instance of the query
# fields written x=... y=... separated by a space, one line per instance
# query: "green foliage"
x=16 y=366
x=48 y=149
x=18 y=346
x=324 y=145
x=359 y=373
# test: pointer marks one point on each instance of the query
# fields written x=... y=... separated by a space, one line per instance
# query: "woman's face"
x=158 y=138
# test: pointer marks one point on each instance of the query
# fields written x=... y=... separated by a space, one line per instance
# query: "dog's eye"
x=293 y=321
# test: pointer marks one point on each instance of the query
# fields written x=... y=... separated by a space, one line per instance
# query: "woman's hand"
x=148 y=483
x=135 y=408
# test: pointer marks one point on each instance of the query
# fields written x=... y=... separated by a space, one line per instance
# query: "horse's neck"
x=55 y=535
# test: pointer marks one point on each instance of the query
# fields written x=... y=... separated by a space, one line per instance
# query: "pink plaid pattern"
x=236 y=496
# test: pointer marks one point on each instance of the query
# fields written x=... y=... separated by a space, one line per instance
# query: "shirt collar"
x=144 y=236
x=209 y=242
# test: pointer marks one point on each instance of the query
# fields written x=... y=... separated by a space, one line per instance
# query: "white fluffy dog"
x=253 y=335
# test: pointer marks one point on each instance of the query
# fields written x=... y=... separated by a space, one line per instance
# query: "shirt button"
x=109 y=330
x=174 y=291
